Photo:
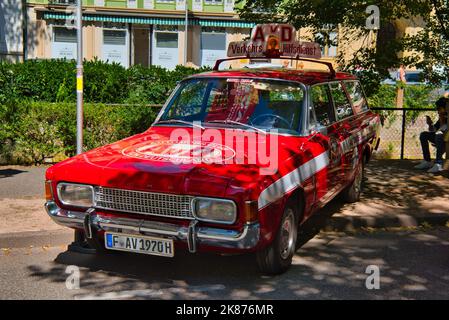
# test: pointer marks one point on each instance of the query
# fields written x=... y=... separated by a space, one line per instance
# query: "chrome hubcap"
x=287 y=235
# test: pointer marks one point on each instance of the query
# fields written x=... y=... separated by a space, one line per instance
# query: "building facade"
x=11 y=30
x=150 y=32
x=128 y=32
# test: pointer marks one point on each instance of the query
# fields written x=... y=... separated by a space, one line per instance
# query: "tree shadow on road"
x=7 y=173
x=412 y=266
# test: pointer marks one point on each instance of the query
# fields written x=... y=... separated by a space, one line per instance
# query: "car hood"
x=167 y=159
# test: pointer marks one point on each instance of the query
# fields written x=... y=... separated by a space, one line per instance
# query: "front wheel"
x=277 y=257
x=352 y=193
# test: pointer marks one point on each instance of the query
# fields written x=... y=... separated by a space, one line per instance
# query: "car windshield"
x=246 y=103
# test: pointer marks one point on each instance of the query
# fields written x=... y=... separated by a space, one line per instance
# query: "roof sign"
x=272 y=41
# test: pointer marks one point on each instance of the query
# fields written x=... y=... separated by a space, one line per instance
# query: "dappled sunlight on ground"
x=332 y=266
x=394 y=189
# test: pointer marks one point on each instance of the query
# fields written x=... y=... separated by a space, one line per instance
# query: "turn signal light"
x=48 y=191
x=251 y=210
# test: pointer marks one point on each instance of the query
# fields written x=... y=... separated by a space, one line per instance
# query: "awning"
x=226 y=23
x=153 y=20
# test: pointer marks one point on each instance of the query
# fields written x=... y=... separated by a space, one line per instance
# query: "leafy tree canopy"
x=428 y=48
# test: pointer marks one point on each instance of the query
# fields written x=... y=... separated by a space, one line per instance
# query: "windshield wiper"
x=228 y=121
x=180 y=121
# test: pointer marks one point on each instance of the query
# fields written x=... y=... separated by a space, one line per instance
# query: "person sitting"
x=435 y=135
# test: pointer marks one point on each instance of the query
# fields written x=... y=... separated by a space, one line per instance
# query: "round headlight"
x=215 y=210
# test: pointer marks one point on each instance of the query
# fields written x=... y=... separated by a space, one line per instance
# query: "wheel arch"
x=366 y=154
x=297 y=197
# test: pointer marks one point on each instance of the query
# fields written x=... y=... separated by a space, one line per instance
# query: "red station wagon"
x=235 y=162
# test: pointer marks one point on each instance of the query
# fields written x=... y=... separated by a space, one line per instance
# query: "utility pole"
x=79 y=79
x=186 y=37
x=78 y=244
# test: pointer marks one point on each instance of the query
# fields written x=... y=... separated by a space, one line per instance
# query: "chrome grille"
x=148 y=203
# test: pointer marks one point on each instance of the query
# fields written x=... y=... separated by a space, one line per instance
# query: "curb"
x=348 y=223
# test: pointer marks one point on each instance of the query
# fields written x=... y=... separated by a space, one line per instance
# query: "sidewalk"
x=395 y=195
x=22 y=200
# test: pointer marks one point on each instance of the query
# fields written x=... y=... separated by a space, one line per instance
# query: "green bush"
x=415 y=96
x=33 y=132
x=55 y=81
x=38 y=114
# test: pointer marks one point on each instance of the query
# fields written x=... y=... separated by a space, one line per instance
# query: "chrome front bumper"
x=193 y=234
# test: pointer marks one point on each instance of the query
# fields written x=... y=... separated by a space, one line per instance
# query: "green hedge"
x=415 y=96
x=38 y=132
x=37 y=109
x=37 y=105
x=54 y=81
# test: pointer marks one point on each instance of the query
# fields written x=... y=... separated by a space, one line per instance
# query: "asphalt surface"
x=412 y=265
x=17 y=182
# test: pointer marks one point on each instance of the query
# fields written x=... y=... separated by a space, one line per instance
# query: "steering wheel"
x=266 y=115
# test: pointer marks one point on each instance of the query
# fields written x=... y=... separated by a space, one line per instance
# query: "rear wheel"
x=277 y=257
x=352 y=193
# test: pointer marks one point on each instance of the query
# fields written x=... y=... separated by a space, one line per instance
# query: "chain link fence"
x=399 y=134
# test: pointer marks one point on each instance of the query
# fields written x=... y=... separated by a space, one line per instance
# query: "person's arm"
x=443 y=124
x=432 y=126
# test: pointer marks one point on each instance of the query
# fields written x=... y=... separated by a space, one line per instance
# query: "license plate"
x=138 y=244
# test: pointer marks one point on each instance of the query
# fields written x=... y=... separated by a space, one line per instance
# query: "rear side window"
x=322 y=104
x=343 y=108
x=358 y=99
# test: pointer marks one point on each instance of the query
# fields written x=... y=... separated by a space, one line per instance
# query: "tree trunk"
x=446 y=163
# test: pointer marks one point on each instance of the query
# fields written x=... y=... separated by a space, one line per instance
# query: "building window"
x=213 y=2
x=166 y=40
x=213 y=45
x=114 y=37
x=64 y=35
x=165 y=1
x=115 y=46
x=328 y=42
x=63 y=44
x=165 y=52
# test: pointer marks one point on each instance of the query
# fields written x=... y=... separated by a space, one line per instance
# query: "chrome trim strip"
x=245 y=239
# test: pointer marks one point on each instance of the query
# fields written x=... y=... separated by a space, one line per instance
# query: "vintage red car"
x=236 y=162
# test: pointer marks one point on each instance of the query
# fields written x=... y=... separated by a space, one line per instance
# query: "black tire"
x=352 y=193
x=277 y=257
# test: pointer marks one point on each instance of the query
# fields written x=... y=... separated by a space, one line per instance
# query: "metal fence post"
x=403 y=134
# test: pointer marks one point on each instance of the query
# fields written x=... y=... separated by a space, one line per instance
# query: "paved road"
x=22 y=182
x=413 y=265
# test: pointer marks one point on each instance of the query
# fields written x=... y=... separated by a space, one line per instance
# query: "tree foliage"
x=429 y=47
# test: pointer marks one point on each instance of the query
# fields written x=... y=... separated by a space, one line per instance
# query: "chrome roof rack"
x=327 y=64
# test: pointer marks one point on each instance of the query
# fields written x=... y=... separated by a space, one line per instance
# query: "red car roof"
x=304 y=76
